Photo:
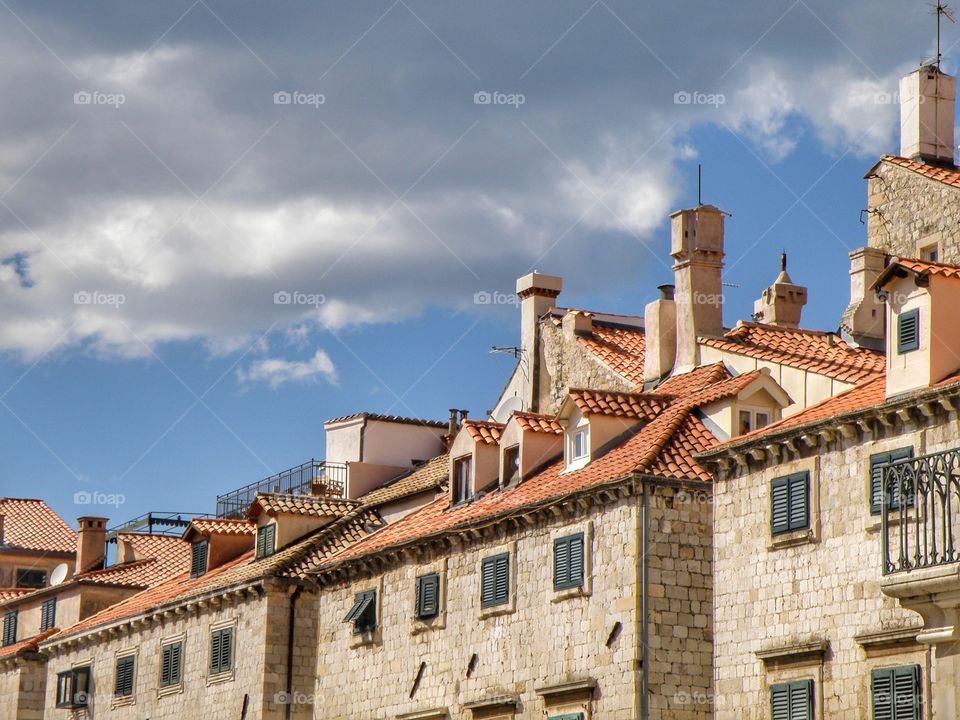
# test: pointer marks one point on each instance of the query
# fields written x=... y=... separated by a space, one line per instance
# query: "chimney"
x=927 y=99
x=697 y=250
x=862 y=323
x=781 y=303
x=537 y=295
x=577 y=322
x=660 y=323
x=91 y=543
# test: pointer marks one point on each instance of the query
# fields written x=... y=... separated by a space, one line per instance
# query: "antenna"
x=699 y=184
x=515 y=351
x=941 y=10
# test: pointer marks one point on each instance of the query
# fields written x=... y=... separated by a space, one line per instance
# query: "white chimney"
x=538 y=294
x=697 y=250
x=927 y=99
x=862 y=323
x=660 y=329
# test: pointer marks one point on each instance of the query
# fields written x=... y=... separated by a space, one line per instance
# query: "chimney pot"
x=666 y=291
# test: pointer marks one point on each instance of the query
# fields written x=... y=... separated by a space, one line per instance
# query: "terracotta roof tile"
x=538 y=423
x=925 y=267
x=940 y=174
x=819 y=352
x=223 y=526
x=643 y=406
x=158 y=557
x=27 y=645
x=697 y=379
x=484 y=431
x=389 y=418
x=12 y=593
x=309 y=505
x=431 y=475
x=31 y=525
x=619 y=348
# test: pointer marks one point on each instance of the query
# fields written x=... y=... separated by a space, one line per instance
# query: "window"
x=792 y=701
x=31 y=578
x=10 y=627
x=761 y=420
x=266 y=540
x=198 y=558
x=753 y=420
x=896 y=693
x=495 y=580
x=48 y=614
x=930 y=253
x=579 y=447
x=908 y=331
x=428 y=596
x=462 y=468
x=123 y=680
x=568 y=562
x=363 y=613
x=511 y=464
x=171 y=664
x=72 y=687
x=221 y=650
x=893 y=491
x=790 y=503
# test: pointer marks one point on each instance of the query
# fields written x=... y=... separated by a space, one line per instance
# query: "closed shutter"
x=896 y=693
x=568 y=562
x=792 y=701
x=790 y=503
x=266 y=540
x=908 y=331
x=495 y=580
x=48 y=614
x=10 y=627
x=799 y=501
x=198 y=558
x=221 y=650
x=780 y=506
x=428 y=595
x=780 y=702
x=876 y=480
x=215 y=642
x=170 y=666
x=123 y=685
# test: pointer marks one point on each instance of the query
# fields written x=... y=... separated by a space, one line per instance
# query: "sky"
x=222 y=223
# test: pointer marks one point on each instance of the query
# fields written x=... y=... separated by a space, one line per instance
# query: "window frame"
x=911 y=345
x=495 y=564
x=422 y=609
x=69 y=679
x=911 y=672
x=566 y=543
x=263 y=532
x=363 y=613
x=511 y=456
x=26 y=571
x=118 y=691
x=461 y=481
x=581 y=431
x=171 y=681
x=11 y=620
x=217 y=665
x=876 y=492
x=48 y=613
x=788 y=481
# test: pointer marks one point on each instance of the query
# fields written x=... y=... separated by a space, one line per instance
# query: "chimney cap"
x=539 y=284
x=666 y=291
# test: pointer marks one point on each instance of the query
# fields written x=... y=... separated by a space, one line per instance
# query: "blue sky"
x=196 y=198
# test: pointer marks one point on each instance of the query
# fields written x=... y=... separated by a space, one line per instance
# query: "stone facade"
x=22 y=687
x=909 y=212
x=467 y=662
x=809 y=605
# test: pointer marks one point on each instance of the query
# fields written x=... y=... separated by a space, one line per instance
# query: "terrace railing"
x=921 y=512
x=315 y=477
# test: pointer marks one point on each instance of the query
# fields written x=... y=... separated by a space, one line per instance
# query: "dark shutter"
x=896 y=693
x=876 y=480
x=780 y=702
x=779 y=506
x=428 y=595
x=170 y=666
x=792 y=701
x=123 y=685
x=198 y=558
x=568 y=562
x=363 y=612
x=221 y=650
x=908 y=331
x=266 y=540
x=790 y=503
x=495 y=580
x=10 y=627
x=48 y=614
x=799 y=501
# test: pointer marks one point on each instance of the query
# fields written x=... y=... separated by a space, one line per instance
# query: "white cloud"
x=277 y=371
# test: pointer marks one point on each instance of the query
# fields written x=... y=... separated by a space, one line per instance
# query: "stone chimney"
x=91 y=542
x=927 y=99
x=781 y=303
x=577 y=322
x=697 y=250
x=537 y=294
x=862 y=323
x=660 y=329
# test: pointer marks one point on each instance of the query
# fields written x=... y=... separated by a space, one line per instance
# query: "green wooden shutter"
x=780 y=702
x=170 y=666
x=792 y=701
x=799 y=501
x=561 y=563
x=176 y=669
x=896 y=693
x=123 y=683
x=567 y=716
x=216 y=640
x=428 y=595
x=881 y=690
x=198 y=558
x=780 y=506
x=487 y=581
x=876 y=480
x=576 y=559
x=908 y=331
x=495 y=580
x=48 y=614
x=221 y=650
x=266 y=540
x=10 y=627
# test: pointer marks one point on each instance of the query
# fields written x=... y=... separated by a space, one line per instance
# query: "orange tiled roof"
x=643 y=406
x=697 y=379
x=823 y=353
x=538 y=423
x=389 y=418
x=431 y=475
x=940 y=174
x=484 y=431
x=27 y=645
x=920 y=267
x=223 y=526
x=157 y=558
x=618 y=347
x=12 y=593
x=310 y=505
x=31 y=525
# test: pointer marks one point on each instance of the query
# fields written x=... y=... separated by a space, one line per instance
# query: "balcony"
x=315 y=477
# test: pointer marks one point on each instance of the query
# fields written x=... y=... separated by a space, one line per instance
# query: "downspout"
x=290 y=630
x=644 y=604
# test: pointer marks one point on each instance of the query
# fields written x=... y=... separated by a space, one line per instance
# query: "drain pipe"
x=644 y=605
x=290 y=630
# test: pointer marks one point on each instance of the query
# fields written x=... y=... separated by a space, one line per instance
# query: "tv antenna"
x=941 y=10
x=515 y=351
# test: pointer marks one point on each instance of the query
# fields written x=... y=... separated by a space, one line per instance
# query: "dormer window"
x=198 y=558
x=511 y=464
x=462 y=470
x=266 y=540
x=908 y=331
x=578 y=446
x=751 y=420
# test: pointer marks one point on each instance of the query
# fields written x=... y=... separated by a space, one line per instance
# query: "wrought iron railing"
x=315 y=477
x=921 y=512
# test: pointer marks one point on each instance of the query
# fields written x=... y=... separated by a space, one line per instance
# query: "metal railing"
x=315 y=477
x=920 y=523
x=155 y=523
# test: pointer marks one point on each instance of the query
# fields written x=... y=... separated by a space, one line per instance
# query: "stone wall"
x=22 y=685
x=542 y=638
x=776 y=594
x=913 y=212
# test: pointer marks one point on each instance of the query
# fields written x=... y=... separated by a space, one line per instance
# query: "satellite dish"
x=59 y=574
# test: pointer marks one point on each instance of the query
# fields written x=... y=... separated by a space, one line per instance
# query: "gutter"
x=291 y=627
